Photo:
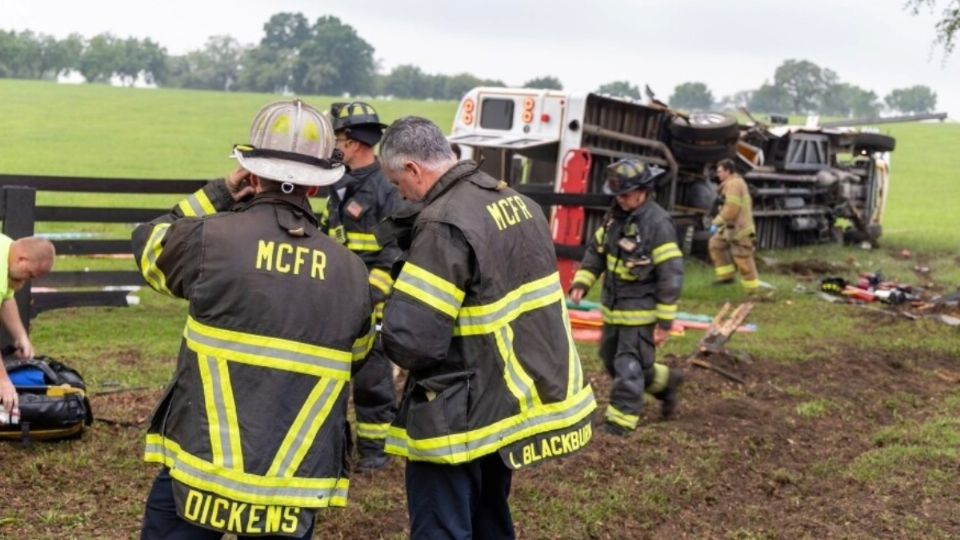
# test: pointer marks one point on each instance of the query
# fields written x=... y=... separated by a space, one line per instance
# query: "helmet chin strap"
x=287 y=188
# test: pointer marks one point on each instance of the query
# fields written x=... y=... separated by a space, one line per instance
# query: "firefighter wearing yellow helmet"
x=637 y=249
x=250 y=431
x=357 y=203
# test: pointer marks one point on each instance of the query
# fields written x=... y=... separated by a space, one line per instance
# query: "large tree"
x=548 y=82
x=620 y=89
x=407 y=81
x=803 y=83
x=335 y=60
x=843 y=99
x=769 y=98
x=691 y=96
x=948 y=25
x=913 y=100
x=100 y=58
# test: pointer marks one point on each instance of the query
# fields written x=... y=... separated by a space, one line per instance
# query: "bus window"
x=496 y=114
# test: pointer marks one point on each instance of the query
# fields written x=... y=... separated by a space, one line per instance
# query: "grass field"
x=844 y=425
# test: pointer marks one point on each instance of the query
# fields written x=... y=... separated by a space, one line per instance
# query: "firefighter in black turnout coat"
x=636 y=248
x=357 y=203
x=478 y=316
x=251 y=432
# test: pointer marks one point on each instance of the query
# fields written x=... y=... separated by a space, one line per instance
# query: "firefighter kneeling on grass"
x=251 y=432
x=637 y=248
x=478 y=316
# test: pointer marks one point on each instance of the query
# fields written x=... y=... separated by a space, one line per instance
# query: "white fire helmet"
x=291 y=142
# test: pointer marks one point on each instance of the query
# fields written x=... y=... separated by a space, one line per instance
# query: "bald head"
x=29 y=258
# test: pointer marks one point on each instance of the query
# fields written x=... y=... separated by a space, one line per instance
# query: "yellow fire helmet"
x=291 y=142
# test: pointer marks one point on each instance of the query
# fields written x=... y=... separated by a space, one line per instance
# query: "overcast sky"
x=731 y=45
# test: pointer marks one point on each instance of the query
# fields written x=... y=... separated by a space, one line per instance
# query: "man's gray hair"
x=416 y=139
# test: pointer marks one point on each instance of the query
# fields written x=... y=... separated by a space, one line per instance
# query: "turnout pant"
x=161 y=521
x=628 y=354
x=729 y=255
x=374 y=399
x=467 y=501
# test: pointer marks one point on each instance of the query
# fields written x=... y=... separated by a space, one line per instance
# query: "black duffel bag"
x=56 y=409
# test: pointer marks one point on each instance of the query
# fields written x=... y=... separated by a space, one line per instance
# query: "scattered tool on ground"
x=718 y=334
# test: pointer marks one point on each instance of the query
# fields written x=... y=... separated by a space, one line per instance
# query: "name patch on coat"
x=508 y=211
x=286 y=258
x=548 y=445
x=222 y=514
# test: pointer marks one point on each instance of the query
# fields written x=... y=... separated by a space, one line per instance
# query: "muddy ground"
x=737 y=462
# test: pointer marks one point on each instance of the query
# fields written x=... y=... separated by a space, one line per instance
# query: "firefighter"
x=477 y=316
x=252 y=432
x=637 y=248
x=732 y=231
x=357 y=203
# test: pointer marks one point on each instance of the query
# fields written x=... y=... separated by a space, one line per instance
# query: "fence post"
x=19 y=204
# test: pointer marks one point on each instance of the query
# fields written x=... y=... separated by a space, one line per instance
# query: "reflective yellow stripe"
x=303 y=431
x=615 y=416
x=362 y=242
x=750 y=284
x=363 y=344
x=665 y=252
x=224 y=428
x=661 y=375
x=148 y=260
x=463 y=447
x=666 y=312
x=430 y=289
x=518 y=382
x=725 y=270
x=372 y=431
x=378 y=311
x=599 y=236
x=238 y=485
x=628 y=317
x=615 y=266
x=574 y=367
x=585 y=278
x=488 y=318
x=381 y=280
x=268 y=352
x=197 y=205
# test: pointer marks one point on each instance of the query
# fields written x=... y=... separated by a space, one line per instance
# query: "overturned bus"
x=809 y=185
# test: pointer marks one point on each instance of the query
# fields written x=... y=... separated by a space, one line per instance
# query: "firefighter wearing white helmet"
x=357 y=203
x=250 y=432
x=637 y=248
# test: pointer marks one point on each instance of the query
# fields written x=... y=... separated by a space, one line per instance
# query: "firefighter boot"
x=670 y=396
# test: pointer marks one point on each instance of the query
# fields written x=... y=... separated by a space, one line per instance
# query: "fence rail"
x=20 y=214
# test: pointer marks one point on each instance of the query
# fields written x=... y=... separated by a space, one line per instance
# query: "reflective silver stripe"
x=508 y=312
x=305 y=359
x=223 y=424
x=195 y=205
x=572 y=413
x=510 y=362
x=447 y=302
x=151 y=252
x=179 y=467
x=287 y=465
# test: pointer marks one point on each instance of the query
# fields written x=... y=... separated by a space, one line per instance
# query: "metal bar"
x=888 y=120
x=647 y=143
x=797 y=178
x=90 y=279
x=98 y=215
x=92 y=247
x=101 y=185
x=45 y=301
x=815 y=210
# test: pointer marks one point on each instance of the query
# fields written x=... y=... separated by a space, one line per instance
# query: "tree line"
x=803 y=87
x=329 y=57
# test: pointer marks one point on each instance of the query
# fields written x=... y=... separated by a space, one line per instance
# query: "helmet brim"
x=294 y=172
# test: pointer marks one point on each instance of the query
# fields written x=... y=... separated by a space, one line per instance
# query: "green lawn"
x=100 y=131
